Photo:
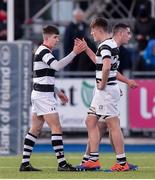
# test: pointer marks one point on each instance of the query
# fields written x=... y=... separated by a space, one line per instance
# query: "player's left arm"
x=61 y=95
x=130 y=82
x=105 y=73
x=58 y=65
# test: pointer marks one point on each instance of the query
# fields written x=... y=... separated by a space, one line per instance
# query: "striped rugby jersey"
x=43 y=74
x=107 y=49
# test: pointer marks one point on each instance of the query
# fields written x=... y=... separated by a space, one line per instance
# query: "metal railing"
x=91 y=74
x=142 y=74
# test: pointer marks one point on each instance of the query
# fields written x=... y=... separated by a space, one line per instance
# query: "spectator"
x=144 y=27
x=149 y=56
x=3 y=26
x=3 y=29
x=78 y=29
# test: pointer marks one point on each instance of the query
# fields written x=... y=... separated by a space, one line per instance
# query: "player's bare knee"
x=88 y=122
x=91 y=124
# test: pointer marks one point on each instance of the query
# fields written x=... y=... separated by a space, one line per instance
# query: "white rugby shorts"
x=105 y=102
x=44 y=106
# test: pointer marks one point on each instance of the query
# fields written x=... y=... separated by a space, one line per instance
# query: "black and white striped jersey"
x=107 y=49
x=43 y=74
x=44 y=67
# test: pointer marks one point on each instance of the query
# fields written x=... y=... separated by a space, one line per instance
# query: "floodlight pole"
x=10 y=20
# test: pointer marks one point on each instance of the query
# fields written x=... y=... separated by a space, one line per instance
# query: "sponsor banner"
x=14 y=106
x=9 y=114
x=142 y=105
x=80 y=93
x=25 y=76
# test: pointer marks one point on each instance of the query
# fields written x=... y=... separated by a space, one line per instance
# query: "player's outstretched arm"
x=130 y=82
x=91 y=54
x=58 y=65
x=88 y=51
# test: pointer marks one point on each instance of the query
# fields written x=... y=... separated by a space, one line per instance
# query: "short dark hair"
x=50 y=29
x=120 y=26
x=100 y=22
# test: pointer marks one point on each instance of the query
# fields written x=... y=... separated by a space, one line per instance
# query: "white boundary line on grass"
x=77 y=157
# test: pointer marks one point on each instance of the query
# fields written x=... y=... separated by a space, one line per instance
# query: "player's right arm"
x=91 y=54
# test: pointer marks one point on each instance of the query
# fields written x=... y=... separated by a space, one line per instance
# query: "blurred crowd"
x=144 y=32
x=140 y=57
x=3 y=22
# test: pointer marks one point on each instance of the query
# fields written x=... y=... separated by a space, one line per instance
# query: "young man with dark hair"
x=104 y=104
x=43 y=101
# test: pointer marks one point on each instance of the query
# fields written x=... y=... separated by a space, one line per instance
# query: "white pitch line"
x=77 y=157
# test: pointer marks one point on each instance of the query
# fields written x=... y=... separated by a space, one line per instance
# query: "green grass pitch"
x=9 y=166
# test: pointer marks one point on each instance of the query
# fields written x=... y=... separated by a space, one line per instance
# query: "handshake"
x=79 y=46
